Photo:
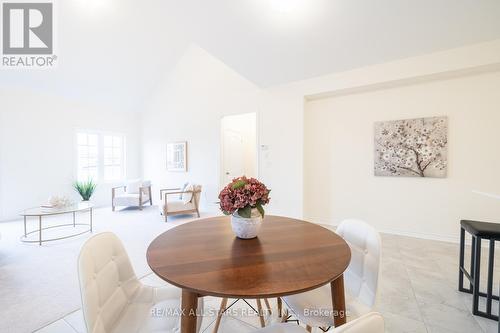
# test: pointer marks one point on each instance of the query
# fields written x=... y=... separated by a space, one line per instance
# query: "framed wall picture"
x=412 y=147
x=177 y=156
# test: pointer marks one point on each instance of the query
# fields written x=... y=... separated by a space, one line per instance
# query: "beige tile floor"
x=418 y=293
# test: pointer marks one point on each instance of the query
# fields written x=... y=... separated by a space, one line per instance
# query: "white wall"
x=189 y=106
x=202 y=89
x=338 y=160
x=282 y=119
x=38 y=152
x=281 y=138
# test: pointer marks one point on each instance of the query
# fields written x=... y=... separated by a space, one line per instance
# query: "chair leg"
x=280 y=307
x=308 y=328
x=461 y=260
x=491 y=262
x=268 y=306
x=285 y=316
x=223 y=305
x=261 y=313
x=477 y=277
x=472 y=258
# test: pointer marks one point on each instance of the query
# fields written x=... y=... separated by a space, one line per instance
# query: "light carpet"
x=39 y=284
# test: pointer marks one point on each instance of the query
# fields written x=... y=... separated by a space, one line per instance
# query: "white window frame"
x=100 y=154
x=122 y=156
x=79 y=146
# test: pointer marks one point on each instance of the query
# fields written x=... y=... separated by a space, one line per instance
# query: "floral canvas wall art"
x=412 y=147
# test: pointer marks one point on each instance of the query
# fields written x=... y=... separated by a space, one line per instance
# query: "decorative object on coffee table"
x=411 y=147
x=56 y=201
x=244 y=199
x=85 y=188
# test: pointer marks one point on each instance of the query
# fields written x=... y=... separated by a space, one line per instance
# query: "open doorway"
x=238 y=146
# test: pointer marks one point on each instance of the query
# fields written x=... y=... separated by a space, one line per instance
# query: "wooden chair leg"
x=285 y=316
x=261 y=313
x=308 y=328
x=280 y=307
x=223 y=305
x=268 y=306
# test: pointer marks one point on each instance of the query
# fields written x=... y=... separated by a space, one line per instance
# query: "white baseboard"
x=428 y=236
x=421 y=235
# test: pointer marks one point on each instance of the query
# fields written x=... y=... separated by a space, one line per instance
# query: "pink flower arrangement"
x=243 y=194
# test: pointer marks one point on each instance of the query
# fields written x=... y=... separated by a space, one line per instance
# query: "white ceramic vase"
x=244 y=227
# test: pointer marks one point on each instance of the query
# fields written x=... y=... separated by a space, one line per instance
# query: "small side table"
x=479 y=231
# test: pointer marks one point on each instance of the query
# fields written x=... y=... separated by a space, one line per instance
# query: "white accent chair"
x=135 y=194
x=372 y=322
x=114 y=300
x=179 y=202
x=361 y=279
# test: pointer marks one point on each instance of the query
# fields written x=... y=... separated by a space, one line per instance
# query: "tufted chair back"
x=362 y=274
x=107 y=281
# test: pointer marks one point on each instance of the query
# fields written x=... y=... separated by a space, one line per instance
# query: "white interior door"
x=233 y=155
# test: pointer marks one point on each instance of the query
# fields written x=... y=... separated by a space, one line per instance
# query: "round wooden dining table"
x=289 y=256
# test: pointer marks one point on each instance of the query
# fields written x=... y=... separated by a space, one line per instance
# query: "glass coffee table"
x=39 y=212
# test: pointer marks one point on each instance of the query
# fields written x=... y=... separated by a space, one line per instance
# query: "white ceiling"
x=116 y=51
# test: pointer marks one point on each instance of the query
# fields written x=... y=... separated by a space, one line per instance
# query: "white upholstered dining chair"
x=114 y=300
x=135 y=193
x=371 y=322
x=360 y=279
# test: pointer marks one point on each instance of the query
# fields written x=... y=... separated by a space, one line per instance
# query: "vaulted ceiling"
x=117 y=51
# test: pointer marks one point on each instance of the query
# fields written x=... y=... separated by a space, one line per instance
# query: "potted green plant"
x=85 y=188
